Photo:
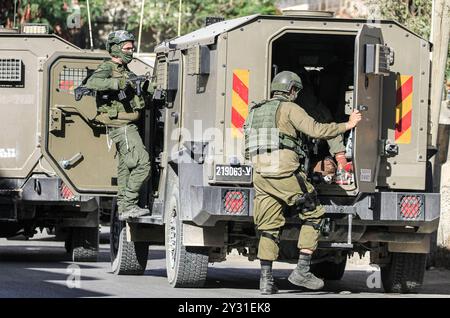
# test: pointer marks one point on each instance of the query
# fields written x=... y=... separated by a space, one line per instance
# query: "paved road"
x=39 y=268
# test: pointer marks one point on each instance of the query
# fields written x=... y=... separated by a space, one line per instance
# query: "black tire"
x=127 y=258
x=187 y=266
x=83 y=244
x=329 y=270
x=405 y=273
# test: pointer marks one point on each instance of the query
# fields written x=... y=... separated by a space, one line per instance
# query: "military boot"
x=266 y=282
x=133 y=212
x=301 y=276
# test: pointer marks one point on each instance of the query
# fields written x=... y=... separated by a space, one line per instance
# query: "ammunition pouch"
x=307 y=201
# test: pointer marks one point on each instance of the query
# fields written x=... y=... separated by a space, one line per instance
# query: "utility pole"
x=90 y=26
x=179 y=16
x=440 y=28
x=140 y=27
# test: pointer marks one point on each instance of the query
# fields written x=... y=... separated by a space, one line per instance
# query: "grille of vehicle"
x=70 y=78
x=235 y=202
x=10 y=70
x=411 y=206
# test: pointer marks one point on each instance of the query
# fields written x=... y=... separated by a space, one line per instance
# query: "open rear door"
x=77 y=149
x=370 y=66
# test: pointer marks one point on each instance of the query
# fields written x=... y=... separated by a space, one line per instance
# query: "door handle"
x=66 y=164
x=362 y=108
x=175 y=116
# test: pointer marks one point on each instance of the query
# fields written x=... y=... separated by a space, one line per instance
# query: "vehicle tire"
x=187 y=266
x=329 y=270
x=405 y=273
x=83 y=244
x=127 y=258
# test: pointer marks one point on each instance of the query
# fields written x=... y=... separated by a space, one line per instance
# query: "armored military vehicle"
x=208 y=80
x=200 y=192
x=54 y=163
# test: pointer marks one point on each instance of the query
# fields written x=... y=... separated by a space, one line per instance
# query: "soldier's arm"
x=101 y=79
x=307 y=125
x=336 y=144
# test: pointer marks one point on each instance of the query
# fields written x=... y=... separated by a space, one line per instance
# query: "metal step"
x=151 y=219
x=335 y=245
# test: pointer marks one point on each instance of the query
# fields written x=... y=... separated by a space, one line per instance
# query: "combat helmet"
x=117 y=37
x=284 y=81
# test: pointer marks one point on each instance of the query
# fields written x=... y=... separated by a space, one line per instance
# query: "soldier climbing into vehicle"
x=272 y=131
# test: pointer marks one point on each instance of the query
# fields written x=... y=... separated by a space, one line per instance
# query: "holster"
x=324 y=226
x=307 y=201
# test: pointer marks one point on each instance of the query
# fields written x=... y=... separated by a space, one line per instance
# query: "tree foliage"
x=414 y=14
x=161 y=17
x=52 y=13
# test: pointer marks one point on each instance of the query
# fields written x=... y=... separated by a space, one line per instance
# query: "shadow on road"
x=436 y=282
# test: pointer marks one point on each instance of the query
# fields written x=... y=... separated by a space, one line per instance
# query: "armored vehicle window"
x=11 y=73
x=70 y=78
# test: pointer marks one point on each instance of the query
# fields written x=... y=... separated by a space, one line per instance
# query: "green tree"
x=161 y=17
x=52 y=13
x=414 y=14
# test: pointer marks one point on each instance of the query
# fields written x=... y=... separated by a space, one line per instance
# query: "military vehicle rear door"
x=76 y=148
x=369 y=68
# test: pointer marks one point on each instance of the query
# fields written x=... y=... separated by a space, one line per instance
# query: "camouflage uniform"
x=278 y=179
x=119 y=115
x=276 y=183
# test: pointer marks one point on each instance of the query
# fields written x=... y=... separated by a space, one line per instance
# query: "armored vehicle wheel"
x=405 y=272
x=127 y=258
x=329 y=270
x=187 y=266
x=83 y=244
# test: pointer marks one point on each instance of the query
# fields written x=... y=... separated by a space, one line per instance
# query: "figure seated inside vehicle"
x=328 y=157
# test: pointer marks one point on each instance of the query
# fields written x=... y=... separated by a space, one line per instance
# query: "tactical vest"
x=262 y=134
x=109 y=102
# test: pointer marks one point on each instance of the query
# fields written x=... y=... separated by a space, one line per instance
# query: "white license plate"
x=228 y=173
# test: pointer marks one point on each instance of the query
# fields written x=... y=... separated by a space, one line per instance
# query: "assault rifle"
x=135 y=82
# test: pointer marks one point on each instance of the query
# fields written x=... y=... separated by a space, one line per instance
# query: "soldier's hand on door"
x=355 y=118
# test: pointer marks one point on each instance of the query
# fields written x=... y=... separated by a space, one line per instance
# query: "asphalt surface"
x=40 y=267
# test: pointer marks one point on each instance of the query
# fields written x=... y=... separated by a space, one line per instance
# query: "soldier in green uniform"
x=272 y=133
x=118 y=109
